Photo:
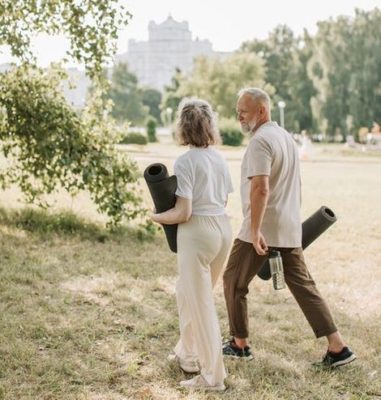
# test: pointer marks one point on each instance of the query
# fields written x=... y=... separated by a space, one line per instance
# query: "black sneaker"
x=230 y=349
x=337 y=359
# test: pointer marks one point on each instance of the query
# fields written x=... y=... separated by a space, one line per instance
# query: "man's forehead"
x=245 y=100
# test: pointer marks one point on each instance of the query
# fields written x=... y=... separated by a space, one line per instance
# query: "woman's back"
x=203 y=176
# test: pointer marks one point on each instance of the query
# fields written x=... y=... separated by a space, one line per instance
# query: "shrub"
x=134 y=138
x=230 y=132
x=151 y=130
x=50 y=146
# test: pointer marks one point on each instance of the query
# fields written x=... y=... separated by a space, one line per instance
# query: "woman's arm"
x=180 y=213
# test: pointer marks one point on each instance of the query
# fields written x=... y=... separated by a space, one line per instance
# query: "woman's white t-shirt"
x=203 y=176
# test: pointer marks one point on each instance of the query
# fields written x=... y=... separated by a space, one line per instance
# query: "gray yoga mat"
x=162 y=188
x=312 y=228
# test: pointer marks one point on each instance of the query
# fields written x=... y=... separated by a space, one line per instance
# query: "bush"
x=230 y=132
x=134 y=138
x=151 y=130
x=49 y=146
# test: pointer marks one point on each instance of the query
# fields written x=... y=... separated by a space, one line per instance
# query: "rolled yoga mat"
x=312 y=228
x=162 y=188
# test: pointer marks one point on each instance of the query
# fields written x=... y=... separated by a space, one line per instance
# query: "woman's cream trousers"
x=203 y=244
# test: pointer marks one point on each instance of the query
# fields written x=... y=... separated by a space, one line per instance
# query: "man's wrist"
x=255 y=232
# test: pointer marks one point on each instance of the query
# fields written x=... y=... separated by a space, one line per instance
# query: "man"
x=270 y=193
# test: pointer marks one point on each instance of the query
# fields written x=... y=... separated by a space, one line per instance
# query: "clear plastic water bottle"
x=276 y=269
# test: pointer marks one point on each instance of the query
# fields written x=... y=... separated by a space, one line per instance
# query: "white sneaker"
x=191 y=367
x=198 y=382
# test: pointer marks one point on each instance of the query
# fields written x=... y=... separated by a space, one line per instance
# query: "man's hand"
x=260 y=244
x=259 y=193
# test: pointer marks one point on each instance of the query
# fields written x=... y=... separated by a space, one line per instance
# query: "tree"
x=330 y=71
x=151 y=98
x=301 y=88
x=151 y=129
x=90 y=25
x=126 y=96
x=285 y=58
x=171 y=98
x=346 y=72
x=48 y=145
x=278 y=53
x=365 y=82
x=219 y=81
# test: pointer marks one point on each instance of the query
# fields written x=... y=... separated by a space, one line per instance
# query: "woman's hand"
x=153 y=217
x=153 y=214
x=176 y=215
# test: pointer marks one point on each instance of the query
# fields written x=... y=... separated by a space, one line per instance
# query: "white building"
x=154 y=62
x=169 y=46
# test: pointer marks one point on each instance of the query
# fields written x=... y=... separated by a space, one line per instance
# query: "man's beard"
x=248 y=127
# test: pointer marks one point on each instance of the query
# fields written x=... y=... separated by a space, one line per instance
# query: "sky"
x=226 y=24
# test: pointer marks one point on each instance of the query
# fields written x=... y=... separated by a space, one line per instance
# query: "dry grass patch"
x=85 y=314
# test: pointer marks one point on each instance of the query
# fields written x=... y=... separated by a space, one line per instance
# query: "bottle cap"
x=274 y=253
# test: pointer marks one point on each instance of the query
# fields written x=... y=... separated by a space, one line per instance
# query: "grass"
x=88 y=314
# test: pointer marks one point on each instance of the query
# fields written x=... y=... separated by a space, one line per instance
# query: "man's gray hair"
x=258 y=95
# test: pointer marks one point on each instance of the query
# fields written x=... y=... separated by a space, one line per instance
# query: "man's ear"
x=262 y=110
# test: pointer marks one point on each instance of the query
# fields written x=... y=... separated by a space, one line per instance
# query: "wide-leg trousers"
x=203 y=244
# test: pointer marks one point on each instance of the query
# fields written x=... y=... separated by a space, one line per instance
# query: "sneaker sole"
x=348 y=360
x=344 y=362
x=221 y=388
x=174 y=358
x=190 y=371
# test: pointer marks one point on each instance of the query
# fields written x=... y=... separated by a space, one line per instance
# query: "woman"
x=203 y=240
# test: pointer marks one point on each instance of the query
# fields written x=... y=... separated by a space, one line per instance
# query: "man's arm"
x=259 y=194
x=180 y=213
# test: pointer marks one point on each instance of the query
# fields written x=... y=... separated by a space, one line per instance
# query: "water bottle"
x=276 y=269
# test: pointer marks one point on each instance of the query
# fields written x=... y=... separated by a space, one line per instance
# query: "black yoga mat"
x=312 y=228
x=162 y=188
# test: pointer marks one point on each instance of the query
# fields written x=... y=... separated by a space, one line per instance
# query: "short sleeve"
x=259 y=158
x=184 y=180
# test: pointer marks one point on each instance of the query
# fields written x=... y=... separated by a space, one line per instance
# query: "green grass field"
x=91 y=315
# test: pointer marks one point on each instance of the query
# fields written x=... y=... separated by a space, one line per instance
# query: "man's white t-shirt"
x=272 y=151
x=203 y=176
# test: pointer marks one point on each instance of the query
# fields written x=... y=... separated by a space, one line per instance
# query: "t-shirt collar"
x=265 y=125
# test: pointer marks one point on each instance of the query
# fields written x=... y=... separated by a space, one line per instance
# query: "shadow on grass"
x=66 y=223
